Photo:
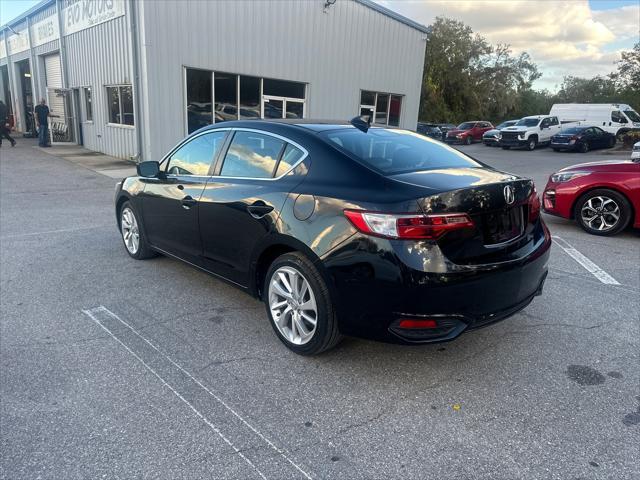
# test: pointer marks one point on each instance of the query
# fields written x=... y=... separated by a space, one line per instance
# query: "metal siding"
x=44 y=13
x=338 y=53
x=96 y=57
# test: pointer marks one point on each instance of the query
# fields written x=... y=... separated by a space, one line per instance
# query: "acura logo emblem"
x=509 y=194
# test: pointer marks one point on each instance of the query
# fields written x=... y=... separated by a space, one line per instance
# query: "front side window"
x=397 y=151
x=195 y=156
x=252 y=155
x=617 y=117
x=120 y=104
x=88 y=107
x=466 y=126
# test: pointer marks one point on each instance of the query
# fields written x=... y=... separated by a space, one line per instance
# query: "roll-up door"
x=53 y=79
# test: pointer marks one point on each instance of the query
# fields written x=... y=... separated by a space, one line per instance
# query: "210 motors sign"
x=87 y=13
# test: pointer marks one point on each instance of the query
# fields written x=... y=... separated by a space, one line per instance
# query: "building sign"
x=18 y=43
x=45 y=31
x=84 y=14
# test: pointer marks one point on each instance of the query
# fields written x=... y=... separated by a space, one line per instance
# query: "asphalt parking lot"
x=114 y=368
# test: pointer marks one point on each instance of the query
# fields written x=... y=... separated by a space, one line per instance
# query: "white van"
x=616 y=118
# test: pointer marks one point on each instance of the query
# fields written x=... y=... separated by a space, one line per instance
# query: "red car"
x=603 y=197
x=468 y=132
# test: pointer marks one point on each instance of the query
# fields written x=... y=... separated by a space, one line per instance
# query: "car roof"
x=306 y=124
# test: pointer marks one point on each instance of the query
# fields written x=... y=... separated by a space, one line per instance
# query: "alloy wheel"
x=293 y=305
x=600 y=213
x=130 y=231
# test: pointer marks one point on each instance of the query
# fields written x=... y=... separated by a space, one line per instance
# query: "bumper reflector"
x=407 y=323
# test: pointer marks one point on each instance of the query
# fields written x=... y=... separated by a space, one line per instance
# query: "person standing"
x=42 y=122
x=4 y=121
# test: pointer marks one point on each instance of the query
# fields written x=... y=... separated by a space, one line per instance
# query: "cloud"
x=563 y=38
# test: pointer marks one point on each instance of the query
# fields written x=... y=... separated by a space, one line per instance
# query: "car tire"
x=468 y=140
x=532 y=143
x=612 y=142
x=556 y=149
x=133 y=237
x=505 y=147
x=584 y=147
x=292 y=282
x=587 y=216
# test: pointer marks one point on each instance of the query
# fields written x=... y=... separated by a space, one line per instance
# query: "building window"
x=120 y=102
x=249 y=97
x=199 y=104
x=88 y=107
x=240 y=97
x=382 y=108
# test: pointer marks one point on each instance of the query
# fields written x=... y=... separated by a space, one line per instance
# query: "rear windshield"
x=397 y=151
x=573 y=130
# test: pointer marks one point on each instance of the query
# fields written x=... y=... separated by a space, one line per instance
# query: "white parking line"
x=47 y=232
x=91 y=314
x=101 y=309
x=588 y=265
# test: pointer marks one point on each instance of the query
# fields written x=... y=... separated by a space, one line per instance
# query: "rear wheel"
x=505 y=147
x=532 y=143
x=584 y=147
x=603 y=212
x=612 y=142
x=299 y=305
x=132 y=235
x=556 y=149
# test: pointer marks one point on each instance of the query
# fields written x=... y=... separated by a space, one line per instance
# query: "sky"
x=571 y=37
x=582 y=38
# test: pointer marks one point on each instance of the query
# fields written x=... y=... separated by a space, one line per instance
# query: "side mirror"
x=148 y=169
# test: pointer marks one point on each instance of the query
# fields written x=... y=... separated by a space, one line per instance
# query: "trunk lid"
x=497 y=202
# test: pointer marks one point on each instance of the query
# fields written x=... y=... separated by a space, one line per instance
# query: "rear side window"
x=252 y=155
x=397 y=151
x=290 y=157
x=195 y=156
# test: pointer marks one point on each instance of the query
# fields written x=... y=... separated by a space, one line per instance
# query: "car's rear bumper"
x=376 y=290
x=562 y=146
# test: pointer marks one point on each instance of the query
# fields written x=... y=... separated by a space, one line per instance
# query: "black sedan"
x=343 y=229
x=582 y=139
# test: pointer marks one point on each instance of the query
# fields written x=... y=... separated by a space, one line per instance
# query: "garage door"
x=59 y=100
x=53 y=79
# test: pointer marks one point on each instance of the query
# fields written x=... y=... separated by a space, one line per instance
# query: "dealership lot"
x=121 y=369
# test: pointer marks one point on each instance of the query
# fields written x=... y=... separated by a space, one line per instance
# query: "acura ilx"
x=343 y=229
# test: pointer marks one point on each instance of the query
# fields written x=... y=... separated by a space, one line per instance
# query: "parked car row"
x=577 y=127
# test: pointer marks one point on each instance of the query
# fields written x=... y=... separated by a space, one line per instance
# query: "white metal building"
x=130 y=78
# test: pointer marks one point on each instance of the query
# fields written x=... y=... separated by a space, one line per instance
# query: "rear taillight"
x=409 y=227
x=534 y=206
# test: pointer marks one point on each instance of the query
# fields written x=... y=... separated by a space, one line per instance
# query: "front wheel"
x=603 y=212
x=584 y=147
x=299 y=305
x=132 y=235
x=468 y=140
x=505 y=147
x=532 y=144
x=556 y=149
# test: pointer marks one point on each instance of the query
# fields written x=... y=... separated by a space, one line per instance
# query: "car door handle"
x=188 y=202
x=259 y=209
